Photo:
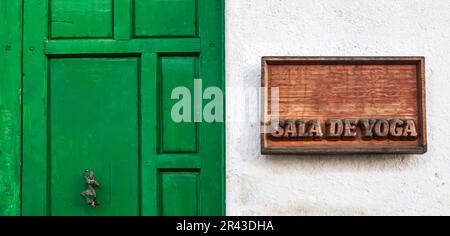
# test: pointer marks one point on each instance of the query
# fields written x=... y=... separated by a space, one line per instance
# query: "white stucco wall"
x=337 y=185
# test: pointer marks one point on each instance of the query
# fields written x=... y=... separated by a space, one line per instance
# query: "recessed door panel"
x=165 y=18
x=177 y=75
x=81 y=19
x=93 y=122
x=179 y=193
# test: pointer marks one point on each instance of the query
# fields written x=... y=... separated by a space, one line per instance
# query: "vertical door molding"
x=10 y=109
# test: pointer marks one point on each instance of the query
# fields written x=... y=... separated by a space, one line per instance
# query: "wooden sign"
x=332 y=105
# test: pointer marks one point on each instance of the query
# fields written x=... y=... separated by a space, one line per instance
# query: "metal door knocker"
x=89 y=194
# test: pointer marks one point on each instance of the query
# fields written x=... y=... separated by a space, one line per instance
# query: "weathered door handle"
x=89 y=194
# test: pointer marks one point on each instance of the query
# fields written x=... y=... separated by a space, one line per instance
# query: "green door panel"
x=179 y=193
x=94 y=125
x=72 y=19
x=97 y=94
x=167 y=17
x=177 y=137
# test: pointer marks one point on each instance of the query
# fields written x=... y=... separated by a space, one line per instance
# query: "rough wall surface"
x=336 y=185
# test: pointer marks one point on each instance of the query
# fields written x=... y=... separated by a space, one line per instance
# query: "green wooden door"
x=97 y=82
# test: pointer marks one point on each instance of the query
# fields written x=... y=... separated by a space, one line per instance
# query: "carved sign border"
x=421 y=148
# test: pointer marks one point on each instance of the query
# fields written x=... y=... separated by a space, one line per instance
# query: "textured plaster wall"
x=337 y=185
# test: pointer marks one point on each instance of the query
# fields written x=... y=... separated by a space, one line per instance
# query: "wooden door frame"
x=33 y=170
x=10 y=107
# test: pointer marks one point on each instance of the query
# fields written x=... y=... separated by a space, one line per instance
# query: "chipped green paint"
x=10 y=83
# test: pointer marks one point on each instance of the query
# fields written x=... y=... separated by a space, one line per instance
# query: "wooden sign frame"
x=275 y=147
